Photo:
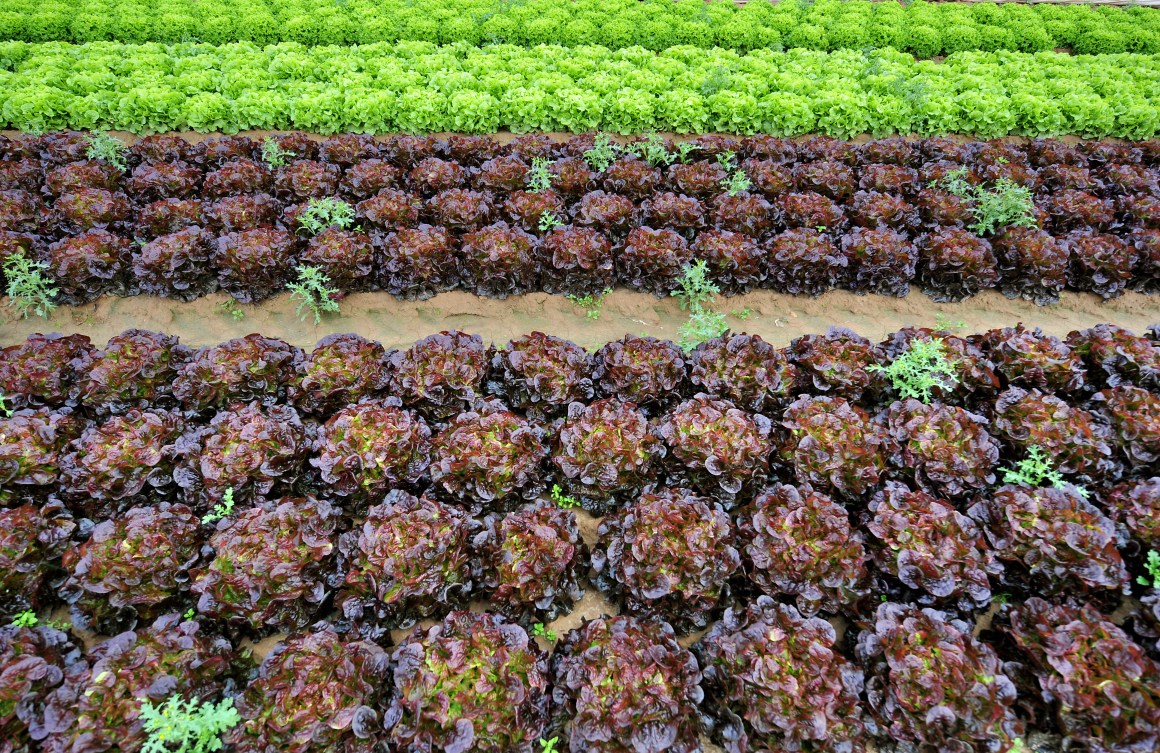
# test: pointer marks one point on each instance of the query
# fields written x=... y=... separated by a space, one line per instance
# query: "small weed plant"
x=27 y=619
x=602 y=154
x=1008 y=203
x=180 y=726
x=941 y=322
x=737 y=183
x=540 y=631
x=727 y=159
x=742 y=314
x=189 y=614
x=30 y=289
x=221 y=510
x=105 y=147
x=231 y=309
x=313 y=293
x=539 y=176
x=561 y=500
x=1152 y=565
x=695 y=293
x=272 y=154
x=323 y=213
x=919 y=369
x=549 y=746
x=1036 y=470
x=549 y=222
x=5 y=408
x=590 y=302
x=654 y=151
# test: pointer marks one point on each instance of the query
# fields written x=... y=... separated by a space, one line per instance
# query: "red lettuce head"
x=736 y=263
x=805 y=261
x=345 y=256
x=1100 y=262
x=605 y=699
x=777 y=681
x=419 y=262
x=1033 y=360
x=441 y=374
x=472 y=682
x=89 y=265
x=945 y=450
x=880 y=261
x=243 y=369
x=272 y=566
x=540 y=374
x=40 y=370
x=34 y=662
x=136 y=369
x=315 y=692
x=32 y=539
x=653 y=260
x=1136 y=504
x=32 y=447
x=837 y=363
x=255 y=264
x=576 y=261
x=1032 y=264
x=974 y=382
x=671 y=555
x=832 y=444
x=1115 y=356
x=499 y=261
x=176 y=265
x=955 y=264
x=342 y=369
x=1134 y=417
x=641 y=370
x=1077 y=443
x=745 y=369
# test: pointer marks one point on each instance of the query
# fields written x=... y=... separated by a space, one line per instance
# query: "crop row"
x=261 y=488
x=415 y=216
x=418 y=87
x=920 y=28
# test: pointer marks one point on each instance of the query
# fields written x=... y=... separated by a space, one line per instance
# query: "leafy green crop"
x=180 y=726
x=30 y=290
x=314 y=293
x=922 y=367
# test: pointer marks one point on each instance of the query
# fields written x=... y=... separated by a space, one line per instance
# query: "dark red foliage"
x=641 y=370
x=541 y=374
x=879 y=261
x=832 y=179
x=271 y=566
x=410 y=559
x=390 y=209
x=1032 y=264
x=441 y=374
x=777 y=681
x=306 y=673
x=1071 y=209
x=943 y=450
x=162 y=147
x=534 y=561
x=773 y=148
x=833 y=445
x=34 y=662
x=1100 y=262
x=253 y=265
x=502 y=174
x=800 y=543
x=1076 y=443
x=1134 y=417
x=929 y=682
x=872 y=209
x=1115 y=356
x=939 y=208
x=89 y=265
x=804 y=261
x=168 y=216
x=345 y=149
x=529 y=146
x=152 y=181
x=369 y=177
x=1136 y=504
x=32 y=444
x=342 y=369
x=974 y=382
x=735 y=262
x=89 y=208
x=673 y=210
x=768 y=178
x=606 y=700
x=720 y=449
x=219 y=150
x=21 y=211
x=136 y=369
x=345 y=256
x=419 y=262
x=243 y=369
x=608 y=212
x=527 y=208
x=606 y=453
x=498 y=261
x=1031 y=359
x=473 y=682
x=433 y=175
x=702 y=179
x=176 y=265
x=1103 y=690
x=745 y=213
x=1129 y=179
x=306 y=179
x=745 y=369
x=811 y=210
x=636 y=179
x=461 y=210
x=1061 y=176
x=470 y=150
x=236 y=177
x=40 y=370
x=86 y=174
x=836 y=363
x=894 y=179
x=134 y=566
x=572 y=177
x=32 y=539
x=653 y=260
x=576 y=261
x=955 y=264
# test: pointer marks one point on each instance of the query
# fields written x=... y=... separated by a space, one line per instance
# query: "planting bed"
x=859 y=547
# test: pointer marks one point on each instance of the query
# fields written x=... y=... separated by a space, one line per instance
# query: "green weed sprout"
x=549 y=222
x=590 y=302
x=702 y=325
x=221 y=509
x=727 y=159
x=322 y=213
x=1035 y=469
x=180 y=726
x=737 y=183
x=921 y=368
x=654 y=151
x=549 y=746
x=4 y=407
x=314 y=293
x=189 y=614
x=272 y=154
x=602 y=154
x=27 y=619
x=539 y=177
x=30 y=290
x=231 y=309
x=560 y=500
x=540 y=631
x=111 y=150
x=1152 y=565
x=695 y=292
x=742 y=314
x=1008 y=203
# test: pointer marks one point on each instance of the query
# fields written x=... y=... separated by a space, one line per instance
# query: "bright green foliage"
x=549 y=746
x=5 y=409
x=562 y=500
x=919 y=369
x=549 y=222
x=26 y=618
x=590 y=302
x=180 y=726
x=30 y=290
x=1008 y=203
x=314 y=293
x=539 y=177
x=602 y=154
x=654 y=151
x=695 y=293
x=105 y=147
x=323 y=213
x=418 y=87
x=222 y=509
x=727 y=159
x=737 y=183
x=703 y=325
x=540 y=631
x=742 y=314
x=1035 y=470
x=1152 y=565
x=189 y=614
x=231 y=309
x=272 y=154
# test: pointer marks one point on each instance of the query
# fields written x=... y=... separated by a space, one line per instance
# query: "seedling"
x=549 y=222
x=684 y=149
x=60 y=625
x=322 y=213
x=696 y=289
x=4 y=407
x=27 y=618
x=539 y=177
x=737 y=183
x=560 y=500
x=540 y=631
x=944 y=324
x=921 y=367
x=549 y=746
x=654 y=151
x=221 y=509
x=180 y=726
x=702 y=326
x=742 y=314
x=272 y=154
x=1008 y=203
x=727 y=159
x=231 y=309
x=1152 y=565
x=30 y=290
x=590 y=302
x=314 y=293
x=111 y=150
x=1035 y=469
x=602 y=154
x=189 y=614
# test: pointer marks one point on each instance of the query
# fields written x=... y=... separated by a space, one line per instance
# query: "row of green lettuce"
x=420 y=87
x=921 y=28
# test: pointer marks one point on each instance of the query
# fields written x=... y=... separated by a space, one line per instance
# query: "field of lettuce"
x=946 y=540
